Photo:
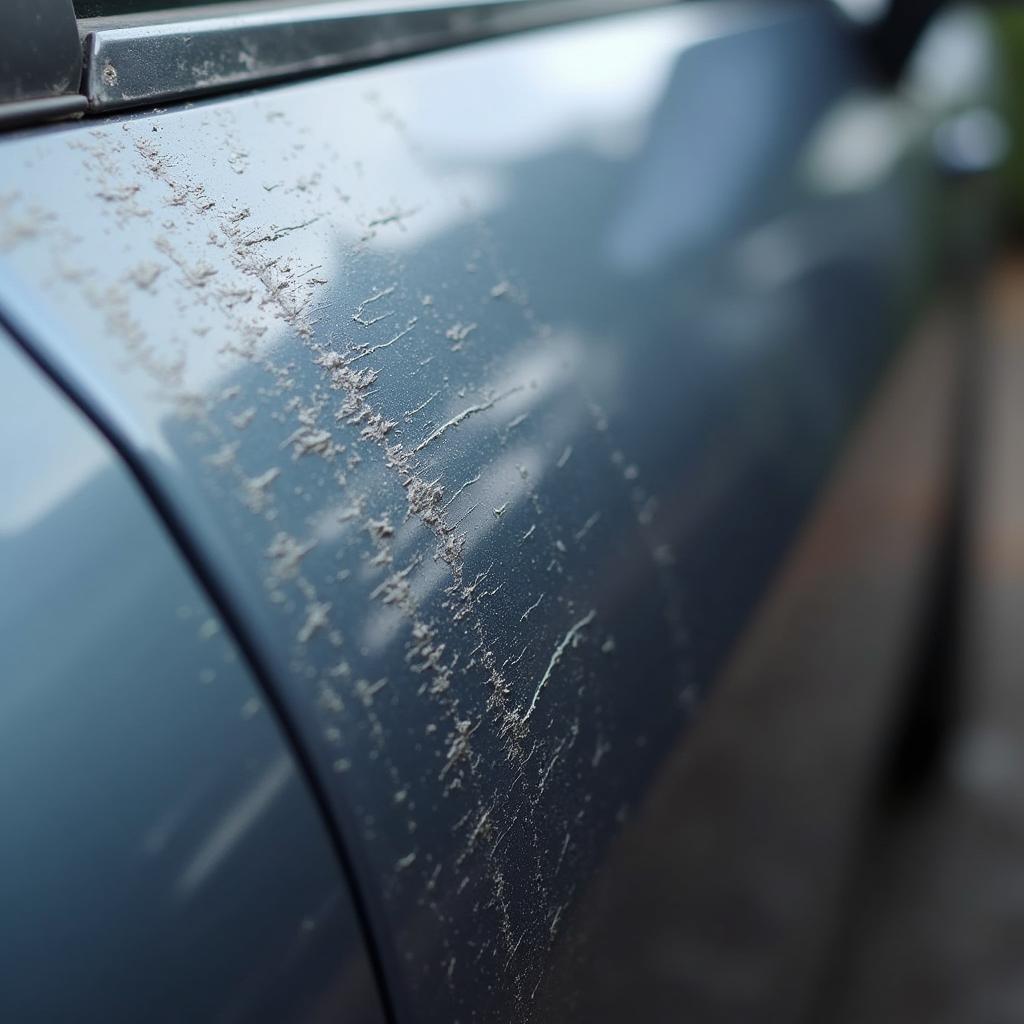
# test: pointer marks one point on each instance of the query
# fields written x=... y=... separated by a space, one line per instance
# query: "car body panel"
x=161 y=857
x=494 y=387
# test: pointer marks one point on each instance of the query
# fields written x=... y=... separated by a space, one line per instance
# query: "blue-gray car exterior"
x=507 y=401
x=161 y=857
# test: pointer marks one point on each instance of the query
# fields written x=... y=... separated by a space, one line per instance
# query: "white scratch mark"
x=468 y=483
x=384 y=344
x=359 y=315
x=561 y=856
x=525 y=615
x=462 y=416
x=469 y=511
x=585 y=529
x=419 y=408
x=570 y=637
x=511 y=662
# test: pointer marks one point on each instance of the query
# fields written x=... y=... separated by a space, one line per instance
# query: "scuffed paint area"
x=468 y=472
x=378 y=461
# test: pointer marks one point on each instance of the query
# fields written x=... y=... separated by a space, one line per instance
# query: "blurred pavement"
x=939 y=926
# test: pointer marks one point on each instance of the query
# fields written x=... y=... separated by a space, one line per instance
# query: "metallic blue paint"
x=160 y=857
x=493 y=387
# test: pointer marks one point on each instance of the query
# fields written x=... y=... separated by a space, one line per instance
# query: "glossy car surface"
x=555 y=432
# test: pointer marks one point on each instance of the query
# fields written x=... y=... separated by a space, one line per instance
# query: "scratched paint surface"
x=495 y=395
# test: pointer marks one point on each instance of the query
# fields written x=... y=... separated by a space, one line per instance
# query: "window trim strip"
x=40 y=62
x=140 y=64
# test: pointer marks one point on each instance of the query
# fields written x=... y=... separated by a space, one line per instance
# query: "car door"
x=561 y=423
